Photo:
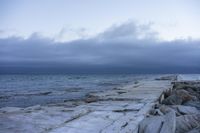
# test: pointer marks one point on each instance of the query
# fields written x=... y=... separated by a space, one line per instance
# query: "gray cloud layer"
x=127 y=46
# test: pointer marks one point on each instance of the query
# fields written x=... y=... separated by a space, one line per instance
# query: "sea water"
x=28 y=90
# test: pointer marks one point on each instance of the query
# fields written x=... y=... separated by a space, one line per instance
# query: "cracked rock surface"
x=112 y=111
x=178 y=110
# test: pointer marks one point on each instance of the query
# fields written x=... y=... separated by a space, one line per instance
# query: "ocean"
x=28 y=90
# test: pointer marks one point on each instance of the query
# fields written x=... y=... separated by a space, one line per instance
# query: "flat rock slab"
x=117 y=110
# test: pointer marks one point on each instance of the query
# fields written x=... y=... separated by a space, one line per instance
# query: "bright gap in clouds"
x=70 y=20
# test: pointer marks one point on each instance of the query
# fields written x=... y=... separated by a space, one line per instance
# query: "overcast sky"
x=136 y=35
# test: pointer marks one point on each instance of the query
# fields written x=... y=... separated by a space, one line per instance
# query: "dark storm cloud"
x=126 y=46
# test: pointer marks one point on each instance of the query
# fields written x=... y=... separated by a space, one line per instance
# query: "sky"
x=139 y=36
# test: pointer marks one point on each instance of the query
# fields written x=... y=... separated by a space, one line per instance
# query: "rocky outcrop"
x=159 y=124
x=178 y=97
x=185 y=123
x=177 y=112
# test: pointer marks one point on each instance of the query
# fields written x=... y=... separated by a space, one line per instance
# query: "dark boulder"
x=90 y=98
x=185 y=123
x=178 y=97
x=185 y=96
x=172 y=100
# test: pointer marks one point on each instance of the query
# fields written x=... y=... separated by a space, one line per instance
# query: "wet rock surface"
x=183 y=102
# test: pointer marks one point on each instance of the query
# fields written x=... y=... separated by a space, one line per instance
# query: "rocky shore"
x=118 y=110
x=153 y=106
x=178 y=110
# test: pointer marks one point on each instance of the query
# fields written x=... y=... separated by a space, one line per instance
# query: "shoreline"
x=29 y=90
x=177 y=110
x=116 y=110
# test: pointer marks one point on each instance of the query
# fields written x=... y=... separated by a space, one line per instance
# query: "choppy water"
x=28 y=90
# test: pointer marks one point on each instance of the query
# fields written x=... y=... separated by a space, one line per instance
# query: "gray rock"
x=185 y=95
x=186 y=110
x=192 y=87
x=90 y=98
x=169 y=125
x=178 y=97
x=193 y=92
x=193 y=104
x=166 y=109
x=159 y=124
x=172 y=100
x=195 y=130
x=185 y=123
x=151 y=124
